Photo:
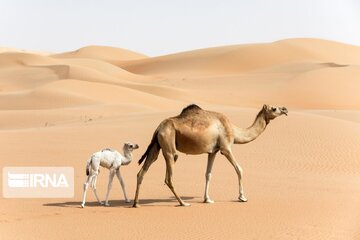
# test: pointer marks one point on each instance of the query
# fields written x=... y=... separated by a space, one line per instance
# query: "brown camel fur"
x=197 y=131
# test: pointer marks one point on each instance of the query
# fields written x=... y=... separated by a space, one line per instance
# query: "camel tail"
x=152 y=151
x=88 y=166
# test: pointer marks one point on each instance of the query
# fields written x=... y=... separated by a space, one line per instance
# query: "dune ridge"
x=104 y=53
x=244 y=58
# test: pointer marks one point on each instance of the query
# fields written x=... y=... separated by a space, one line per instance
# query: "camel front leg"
x=111 y=177
x=118 y=175
x=229 y=155
x=168 y=179
x=211 y=158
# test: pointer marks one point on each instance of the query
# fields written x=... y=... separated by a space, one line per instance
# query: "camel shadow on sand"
x=118 y=203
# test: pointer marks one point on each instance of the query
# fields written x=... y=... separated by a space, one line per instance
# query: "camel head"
x=129 y=147
x=272 y=112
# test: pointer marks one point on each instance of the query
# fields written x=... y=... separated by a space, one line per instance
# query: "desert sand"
x=301 y=176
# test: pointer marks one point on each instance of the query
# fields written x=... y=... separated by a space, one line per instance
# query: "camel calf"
x=112 y=160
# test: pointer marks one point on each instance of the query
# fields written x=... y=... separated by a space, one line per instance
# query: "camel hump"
x=190 y=108
x=108 y=149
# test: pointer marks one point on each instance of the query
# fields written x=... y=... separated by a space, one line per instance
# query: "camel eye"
x=273 y=109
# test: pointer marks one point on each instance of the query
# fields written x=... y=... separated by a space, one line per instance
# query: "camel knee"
x=168 y=182
x=86 y=185
x=93 y=184
x=140 y=177
x=240 y=171
x=208 y=176
x=225 y=152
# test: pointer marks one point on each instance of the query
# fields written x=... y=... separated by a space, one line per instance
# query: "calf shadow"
x=117 y=203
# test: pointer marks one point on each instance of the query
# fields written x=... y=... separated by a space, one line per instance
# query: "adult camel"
x=197 y=131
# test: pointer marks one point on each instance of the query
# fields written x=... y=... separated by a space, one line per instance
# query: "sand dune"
x=10 y=59
x=104 y=53
x=301 y=175
x=278 y=72
x=40 y=99
x=244 y=58
x=8 y=49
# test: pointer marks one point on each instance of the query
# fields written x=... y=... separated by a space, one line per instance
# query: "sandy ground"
x=302 y=175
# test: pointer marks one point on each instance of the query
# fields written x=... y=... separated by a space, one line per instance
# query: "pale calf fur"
x=112 y=160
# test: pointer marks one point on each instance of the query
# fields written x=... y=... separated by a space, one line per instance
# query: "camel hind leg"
x=93 y=186
x=140 y=177
x=91 y=179
x=169 y=158
x=166 y=139
x=86 y=186
x=150 y=159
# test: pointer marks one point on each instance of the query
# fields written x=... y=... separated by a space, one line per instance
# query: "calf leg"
x=93 y=185
x=86 y=186
x=111 y=177
x=118 y=175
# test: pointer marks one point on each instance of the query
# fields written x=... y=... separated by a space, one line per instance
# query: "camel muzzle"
x=284 y=111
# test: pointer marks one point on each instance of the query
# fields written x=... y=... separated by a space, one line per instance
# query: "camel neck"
x=128 y=157
x=245 y=135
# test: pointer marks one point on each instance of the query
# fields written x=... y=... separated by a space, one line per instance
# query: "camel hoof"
x=128 y=201
x=101 y=203
x=136 y=205
x=185 y=204
x=208 y=201
x=82 y=205
x=107 y=205
x=242 y=199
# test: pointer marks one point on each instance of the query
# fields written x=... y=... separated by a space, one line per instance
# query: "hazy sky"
x=156 y=27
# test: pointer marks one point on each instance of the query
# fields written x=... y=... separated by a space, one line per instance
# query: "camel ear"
x=265 y=107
